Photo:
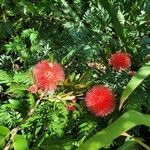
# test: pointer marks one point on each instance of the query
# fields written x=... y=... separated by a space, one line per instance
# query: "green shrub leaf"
x=105 y=137
x=4 y=131
x=4 y=134
x=135 y=82
x=20 y=143
x=4 y=77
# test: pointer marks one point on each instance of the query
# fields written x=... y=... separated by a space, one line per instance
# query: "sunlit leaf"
x=4 y=134
x=135 y=82
x=105 y=137
x=20 y=143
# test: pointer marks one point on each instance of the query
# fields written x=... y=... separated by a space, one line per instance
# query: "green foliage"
x=50 y=118
x=134 y=82
x=23 y=77
x=9 y=117
x=81 y=36
x=128 y=145
x=125 y=122
x=5 y=62
x=4 y=135
x=20 y=143
x=79 y=83
x=115 y=21
x=4 y=77
x=86 y=129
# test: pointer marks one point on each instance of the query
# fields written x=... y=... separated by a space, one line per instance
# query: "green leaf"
x=4 y=134
x=20 y=143
x=31 y=100
x=2 y=142
x=68 y=57
x=16 y=89
x=33 y=37
x=4 y=131
x=72 y=76
x=4 y=77
x=14 y=103
x=128 y=145
x=119 y=28
x=86 y=76
x=135 y=82
x=105 y=137
x=23 y=77
x=73 y=14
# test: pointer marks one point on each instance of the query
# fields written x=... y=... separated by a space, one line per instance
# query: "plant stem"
x=137 y=140
x=15 y=130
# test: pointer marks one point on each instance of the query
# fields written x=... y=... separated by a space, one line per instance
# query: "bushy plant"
x=74 y=74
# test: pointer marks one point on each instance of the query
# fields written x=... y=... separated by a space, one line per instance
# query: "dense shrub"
x=81 y=44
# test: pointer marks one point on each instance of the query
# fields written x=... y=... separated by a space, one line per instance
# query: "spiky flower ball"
x=100 y=100
x=120 y=61
x=48 y=75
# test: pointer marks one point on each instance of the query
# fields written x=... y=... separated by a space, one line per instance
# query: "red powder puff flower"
x=120 y=60
x=48 y=75
x=33 y=89
x=71 y=107
x=100 y=100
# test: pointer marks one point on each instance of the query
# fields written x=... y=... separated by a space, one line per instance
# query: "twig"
x=15 y=130
x=137 y=140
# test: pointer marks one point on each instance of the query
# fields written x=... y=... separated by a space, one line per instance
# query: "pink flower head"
x=100 y=100
x=48 y=75
x=71 y=107
x=33 y=89
x=120 y=60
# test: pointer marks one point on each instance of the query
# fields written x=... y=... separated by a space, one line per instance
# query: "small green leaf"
x=5 y=77
x=23 y=77
x=33 y=36
x=31 y=100
x=68 y=57
x=135 y=82
x=4 y=131
x=2 y=142
x=4 y=134
x=20 y=143
x=14 y=103
x=16 y=88
x=72 y=77
x=86 y=76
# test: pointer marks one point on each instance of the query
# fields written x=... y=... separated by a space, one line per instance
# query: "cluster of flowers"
x=100 y=99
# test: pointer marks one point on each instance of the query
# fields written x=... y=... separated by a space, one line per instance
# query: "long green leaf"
x=20 y=143
x=120 y=30
x=105 y=137
x=74 y=15
x=4 y=134
x=128 y=145
x=135 y=82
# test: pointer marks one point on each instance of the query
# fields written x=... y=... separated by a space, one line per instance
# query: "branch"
x=15 y=130
x=137 y=140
